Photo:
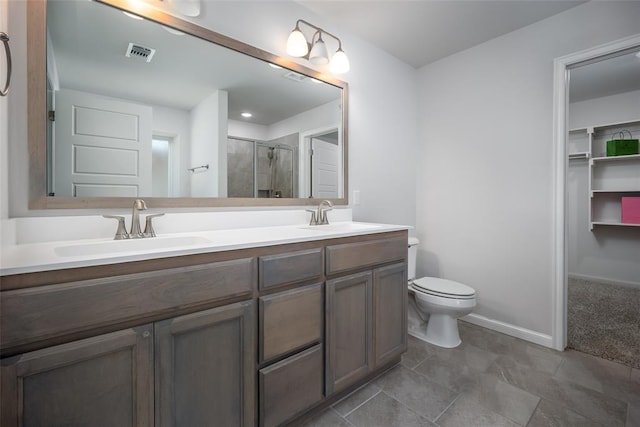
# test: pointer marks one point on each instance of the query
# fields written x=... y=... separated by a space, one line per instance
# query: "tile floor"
x=492 y=380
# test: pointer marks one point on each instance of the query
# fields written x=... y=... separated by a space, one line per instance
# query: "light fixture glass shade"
x=340 y=62
x=319 y=54
x=297 y=44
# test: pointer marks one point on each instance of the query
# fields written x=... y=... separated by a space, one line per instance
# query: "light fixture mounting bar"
x=320 y=30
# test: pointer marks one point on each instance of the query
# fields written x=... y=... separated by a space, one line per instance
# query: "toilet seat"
x=443 y=288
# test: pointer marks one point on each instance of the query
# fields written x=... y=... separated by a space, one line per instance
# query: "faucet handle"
x=148 y=228
x=314 y=219
x=121 y=233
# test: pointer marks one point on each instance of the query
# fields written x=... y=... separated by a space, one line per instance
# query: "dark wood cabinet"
x=348 y=330
x=205 y=365
x=290 y=386
x=290 y=321
x=366 y=323
x=390 y=312
x=256 y=336
x=105 y=380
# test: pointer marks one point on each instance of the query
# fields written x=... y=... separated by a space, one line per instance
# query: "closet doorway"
x=602 y=270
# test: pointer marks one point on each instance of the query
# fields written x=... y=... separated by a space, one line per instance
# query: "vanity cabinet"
x=349 y=330
x=390 y=299
x=366 y=312
x=105 y=380
x=256 y=336
x=204 y=366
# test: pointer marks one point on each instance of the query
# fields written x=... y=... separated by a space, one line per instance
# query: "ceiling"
x=419 y=32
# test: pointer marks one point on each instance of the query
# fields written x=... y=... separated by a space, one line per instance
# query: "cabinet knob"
x=146 y=334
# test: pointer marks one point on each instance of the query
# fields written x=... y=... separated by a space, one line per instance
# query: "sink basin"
x=133 y=245
x=340 y=227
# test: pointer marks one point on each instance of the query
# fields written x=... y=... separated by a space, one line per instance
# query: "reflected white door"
x=102 y=146
x=325 y=164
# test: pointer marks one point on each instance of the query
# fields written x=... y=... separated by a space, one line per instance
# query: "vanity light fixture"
x=316 y=51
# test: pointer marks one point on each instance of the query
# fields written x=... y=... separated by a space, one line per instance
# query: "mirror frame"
x=37 y=120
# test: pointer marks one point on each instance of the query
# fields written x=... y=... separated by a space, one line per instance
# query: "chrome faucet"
x=319 y=215
x=136 y=232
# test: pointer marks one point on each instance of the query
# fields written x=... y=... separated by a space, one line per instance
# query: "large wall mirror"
x=126 y=101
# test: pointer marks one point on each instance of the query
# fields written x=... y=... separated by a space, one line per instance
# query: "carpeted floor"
x=604 y=320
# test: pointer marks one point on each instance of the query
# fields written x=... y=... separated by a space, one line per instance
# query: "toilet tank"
x=413 y=253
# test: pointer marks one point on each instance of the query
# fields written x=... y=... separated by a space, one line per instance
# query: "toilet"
x=436 y=305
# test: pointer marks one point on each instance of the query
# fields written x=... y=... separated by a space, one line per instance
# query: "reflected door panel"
x=325 y=166
x=102 y=146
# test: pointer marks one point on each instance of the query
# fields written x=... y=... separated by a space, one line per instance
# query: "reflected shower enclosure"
x=264 y=169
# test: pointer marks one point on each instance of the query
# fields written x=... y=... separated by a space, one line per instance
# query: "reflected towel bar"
x=198 y=169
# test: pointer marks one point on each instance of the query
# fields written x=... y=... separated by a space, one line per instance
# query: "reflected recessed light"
x=131 y=15
x=314 y=80
x=246 y=115
x=638 y=55
x=277 y=67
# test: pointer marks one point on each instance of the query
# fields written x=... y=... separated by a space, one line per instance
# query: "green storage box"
x=622 y=146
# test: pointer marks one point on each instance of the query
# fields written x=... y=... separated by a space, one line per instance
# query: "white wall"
x=244 y=130
x=327 y=115
x=485 y=199
x=382 y=96
x=175 y=123
x=209 y=145
x=609 y=254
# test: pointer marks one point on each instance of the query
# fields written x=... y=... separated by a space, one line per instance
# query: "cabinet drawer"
x=289 y=387
x=34 y=314
x=291 y=267
x=350 y=256
x=290 y=320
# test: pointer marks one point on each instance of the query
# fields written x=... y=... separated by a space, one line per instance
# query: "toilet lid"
x=436 y=285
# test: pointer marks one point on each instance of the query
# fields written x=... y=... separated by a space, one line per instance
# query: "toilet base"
x=442 y=330
x=434 y=334
x=436 y=329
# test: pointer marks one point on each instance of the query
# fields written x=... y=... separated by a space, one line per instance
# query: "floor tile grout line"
x=534 y=410
x=435 y=420
x=407 y=407
x=341 y=416
x=356 y=408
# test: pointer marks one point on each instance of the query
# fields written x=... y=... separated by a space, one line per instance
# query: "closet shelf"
x=615 y=158
x=614 y=223
x=617 y=191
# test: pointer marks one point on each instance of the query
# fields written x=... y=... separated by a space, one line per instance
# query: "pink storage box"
x=631 y=210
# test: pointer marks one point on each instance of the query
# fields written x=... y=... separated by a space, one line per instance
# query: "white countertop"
x=56 y=255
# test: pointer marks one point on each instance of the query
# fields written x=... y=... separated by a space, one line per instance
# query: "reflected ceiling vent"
x=140 y=52
x=294 y=76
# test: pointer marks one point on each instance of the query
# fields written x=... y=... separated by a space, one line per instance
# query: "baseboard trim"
x=509 y=329
x=604 y=280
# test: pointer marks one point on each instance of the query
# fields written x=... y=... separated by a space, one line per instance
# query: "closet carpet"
x=604 y=321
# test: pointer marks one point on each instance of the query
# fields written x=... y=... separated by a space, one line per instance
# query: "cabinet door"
x=205 y=368
x=100 y=381
x=348 y=330
x=390 y=312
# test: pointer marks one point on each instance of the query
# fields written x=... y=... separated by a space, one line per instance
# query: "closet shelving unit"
x=610 y=178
